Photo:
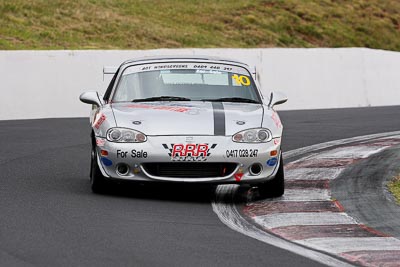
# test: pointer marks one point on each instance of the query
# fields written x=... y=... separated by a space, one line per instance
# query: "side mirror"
x=91 y=97
x=277 y=98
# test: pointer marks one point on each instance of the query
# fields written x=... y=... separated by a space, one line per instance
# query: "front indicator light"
x=273 y=153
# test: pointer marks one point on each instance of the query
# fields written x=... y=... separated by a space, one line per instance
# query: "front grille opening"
x=190 y=169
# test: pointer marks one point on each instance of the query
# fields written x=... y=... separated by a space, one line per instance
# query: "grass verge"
x=394 y=188
x=148 y=24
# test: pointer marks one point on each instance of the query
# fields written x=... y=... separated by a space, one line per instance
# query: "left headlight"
x=124 y=135
x=258 y=135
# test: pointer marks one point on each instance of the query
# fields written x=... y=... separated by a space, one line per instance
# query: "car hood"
x=188 y=118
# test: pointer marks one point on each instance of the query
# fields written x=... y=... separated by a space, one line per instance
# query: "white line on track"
x=303 y=218
x=352 y=152
x=305 y=195
x=315 y=173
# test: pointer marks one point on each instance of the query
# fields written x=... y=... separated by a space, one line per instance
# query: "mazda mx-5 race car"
x=195 y=120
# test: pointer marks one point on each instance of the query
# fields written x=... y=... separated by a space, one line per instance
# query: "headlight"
x=124 y=135
x=259 y=135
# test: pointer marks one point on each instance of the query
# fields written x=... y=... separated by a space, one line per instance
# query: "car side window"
x=129 y=87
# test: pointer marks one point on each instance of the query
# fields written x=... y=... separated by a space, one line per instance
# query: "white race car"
x=195 y=120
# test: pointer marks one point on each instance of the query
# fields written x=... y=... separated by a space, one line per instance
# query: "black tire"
x=274 y=187
x=98 y=182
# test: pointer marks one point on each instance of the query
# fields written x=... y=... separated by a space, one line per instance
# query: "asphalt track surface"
x=49 y=217
x=362 y=191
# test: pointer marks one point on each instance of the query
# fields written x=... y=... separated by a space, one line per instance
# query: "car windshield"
x=185 y=82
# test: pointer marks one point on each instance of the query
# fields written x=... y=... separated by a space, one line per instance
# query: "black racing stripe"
x=219 y=118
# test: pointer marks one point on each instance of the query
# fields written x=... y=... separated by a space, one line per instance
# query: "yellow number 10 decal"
x=243 y=80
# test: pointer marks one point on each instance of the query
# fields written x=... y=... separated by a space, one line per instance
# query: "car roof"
x=185 y=58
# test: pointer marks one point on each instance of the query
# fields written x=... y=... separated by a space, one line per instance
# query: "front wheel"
x=274 y=187
x=97 y=180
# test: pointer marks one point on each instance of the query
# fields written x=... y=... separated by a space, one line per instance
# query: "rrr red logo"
x=189 y=152
x=193 y=150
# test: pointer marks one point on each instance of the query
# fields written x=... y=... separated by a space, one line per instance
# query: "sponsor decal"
x=277 y=141
x=136 y=122
x=272 y=162
x=189 y=152
x=168 y=108
x=100 y=142
x=238 y=176
x=209 y=71
x=239 y=71
x=240 y=122
x=242 y=153
x=212 y=67
x=241 y=80
x=100 y=118
x=106 y=161
x=139 y=154
x=276 y=119
x=174 y=66
x=184 y=66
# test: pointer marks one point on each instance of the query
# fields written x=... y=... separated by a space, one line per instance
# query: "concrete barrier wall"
x=47 y=84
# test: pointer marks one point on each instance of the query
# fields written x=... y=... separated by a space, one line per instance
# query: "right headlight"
x=124 y=135
x=257 y=135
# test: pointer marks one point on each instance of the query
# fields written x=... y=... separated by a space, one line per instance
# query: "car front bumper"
x=190 y=152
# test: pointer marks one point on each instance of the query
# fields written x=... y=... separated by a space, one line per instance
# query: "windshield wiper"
x=232 y=99
x=162 y=98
